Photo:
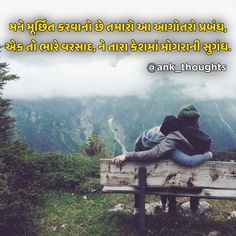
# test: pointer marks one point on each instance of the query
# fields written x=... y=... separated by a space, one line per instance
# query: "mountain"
x=64 y=124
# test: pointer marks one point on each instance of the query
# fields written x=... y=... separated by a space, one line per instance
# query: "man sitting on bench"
x=180 y=139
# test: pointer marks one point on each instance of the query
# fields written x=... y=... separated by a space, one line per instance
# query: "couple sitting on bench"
x=179 y=139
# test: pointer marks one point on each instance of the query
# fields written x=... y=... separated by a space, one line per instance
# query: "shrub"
x=19 y=193
x=26 y=175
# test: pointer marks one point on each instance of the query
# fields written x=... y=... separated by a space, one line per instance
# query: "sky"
x=47 y=75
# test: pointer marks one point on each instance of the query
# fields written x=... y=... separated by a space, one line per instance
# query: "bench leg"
x=172 y=205
x=142 y=187
x=194 y=202
x=136 y=200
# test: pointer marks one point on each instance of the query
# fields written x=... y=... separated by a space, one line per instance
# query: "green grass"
x=91 y=216
x=81 y=216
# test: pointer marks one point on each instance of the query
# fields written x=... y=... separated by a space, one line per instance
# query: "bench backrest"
x=165 y=173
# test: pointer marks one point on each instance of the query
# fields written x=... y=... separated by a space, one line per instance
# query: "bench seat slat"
x=166 y=173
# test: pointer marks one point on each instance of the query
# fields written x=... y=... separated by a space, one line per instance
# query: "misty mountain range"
x=64 y=124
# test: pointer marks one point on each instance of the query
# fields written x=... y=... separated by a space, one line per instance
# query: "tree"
x=95 y=147
x=6 y=122
x=18 y=193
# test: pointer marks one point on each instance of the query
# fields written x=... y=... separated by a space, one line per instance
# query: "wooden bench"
x=215 y=179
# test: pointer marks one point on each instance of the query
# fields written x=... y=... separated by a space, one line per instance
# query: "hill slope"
x=63 y=124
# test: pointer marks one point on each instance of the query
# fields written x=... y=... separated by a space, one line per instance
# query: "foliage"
x=19 y=195
x=26 y=176
x=6 y=122
x=19 y=191
x=94 y=147
x=67 y=173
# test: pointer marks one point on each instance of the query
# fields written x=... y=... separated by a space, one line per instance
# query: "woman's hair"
x=170 y=124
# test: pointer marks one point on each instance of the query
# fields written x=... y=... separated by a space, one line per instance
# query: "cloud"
x=76 y=80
